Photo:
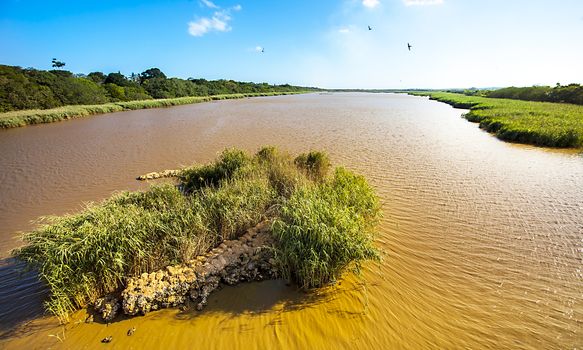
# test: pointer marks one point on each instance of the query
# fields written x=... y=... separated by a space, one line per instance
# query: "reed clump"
x=316 y=164
x=322 y=226
x=325 y=228
x=538 y=123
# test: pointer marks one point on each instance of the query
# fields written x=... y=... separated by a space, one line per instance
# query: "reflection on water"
x=483 y=240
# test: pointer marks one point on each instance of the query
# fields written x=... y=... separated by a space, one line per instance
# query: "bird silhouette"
x=409 y=46
x=262 y=50
x=369 y=28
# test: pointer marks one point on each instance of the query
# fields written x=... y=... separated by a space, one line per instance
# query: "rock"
x=160 y=175
x=233 y=261
x=108 y=307
x=131 y=331
x=107 y=339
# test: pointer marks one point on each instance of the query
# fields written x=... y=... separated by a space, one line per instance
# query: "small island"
x=240 y=218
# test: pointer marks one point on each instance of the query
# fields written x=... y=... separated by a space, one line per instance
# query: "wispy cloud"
x=422 y=2
x=209 y=4
x=218 y=22
x=370 y=3
x=258 y=48
x=344 y=30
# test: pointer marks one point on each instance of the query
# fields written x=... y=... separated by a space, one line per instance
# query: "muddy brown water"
x=482 y=240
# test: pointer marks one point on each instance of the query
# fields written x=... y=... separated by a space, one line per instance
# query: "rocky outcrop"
x=249 y=258
x=159 y=175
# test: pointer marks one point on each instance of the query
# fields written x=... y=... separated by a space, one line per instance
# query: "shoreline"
x=16 y=119
x=538 y=124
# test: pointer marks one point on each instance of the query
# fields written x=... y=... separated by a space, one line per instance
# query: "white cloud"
x=370 y=3
x=218 y=22
x=258 y=49
x=209 y=4
x=344 y=30
x=422 y=2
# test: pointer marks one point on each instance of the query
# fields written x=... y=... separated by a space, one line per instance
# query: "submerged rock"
x=107 y=339
x=249 y=258
x=159 y=175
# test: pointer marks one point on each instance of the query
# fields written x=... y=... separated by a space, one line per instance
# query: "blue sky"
x=325 y=43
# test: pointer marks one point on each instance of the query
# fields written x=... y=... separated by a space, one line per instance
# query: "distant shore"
x=15 y=119
x=544 y=124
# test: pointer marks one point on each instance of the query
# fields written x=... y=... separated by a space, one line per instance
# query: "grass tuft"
x=211 y=174
x=315 y=164
x=325 y=228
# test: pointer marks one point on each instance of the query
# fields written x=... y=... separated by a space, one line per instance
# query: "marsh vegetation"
x=323 y=225
x=537 y=123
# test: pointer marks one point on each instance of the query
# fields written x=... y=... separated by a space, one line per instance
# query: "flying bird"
x=409 y=46
x=369 y=28
x=262 y=50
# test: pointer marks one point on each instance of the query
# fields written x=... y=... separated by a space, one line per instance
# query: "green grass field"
x=537 y=123
x=323 y=224
x=38 y=116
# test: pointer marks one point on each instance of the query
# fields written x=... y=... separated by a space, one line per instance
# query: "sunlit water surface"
x=482 y=240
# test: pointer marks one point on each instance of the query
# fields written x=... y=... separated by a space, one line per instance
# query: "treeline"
x=572 y=93
x=28 y=88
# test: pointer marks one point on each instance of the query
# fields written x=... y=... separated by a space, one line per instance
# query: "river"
x=482 y=240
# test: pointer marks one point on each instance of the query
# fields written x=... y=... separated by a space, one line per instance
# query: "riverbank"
x=322 y=224
x=537 y=123
x=17 y=119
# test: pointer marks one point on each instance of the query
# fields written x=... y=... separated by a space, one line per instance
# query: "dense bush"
x=36 y=89
x=572 y=93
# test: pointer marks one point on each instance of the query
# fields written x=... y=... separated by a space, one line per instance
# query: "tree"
x=152 y=73
x=97 y=77
x=57 y=64
x=117 y=79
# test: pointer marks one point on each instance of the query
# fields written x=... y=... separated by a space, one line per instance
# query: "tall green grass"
x=325 y=228
x=314 y=163
x=230 y=161
x=86 y=255
x=537 y=123
x=28 y=117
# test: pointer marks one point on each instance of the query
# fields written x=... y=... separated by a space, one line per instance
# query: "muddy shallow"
x=483 y=240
